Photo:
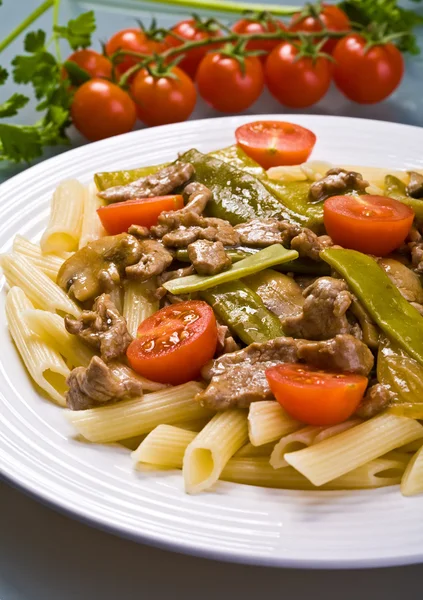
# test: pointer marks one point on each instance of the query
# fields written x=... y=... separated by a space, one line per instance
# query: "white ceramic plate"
x=97 y=484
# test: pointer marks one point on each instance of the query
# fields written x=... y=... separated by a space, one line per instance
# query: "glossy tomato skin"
x=165 y=99
x=134 y=40
x=118 y=217
x=333 y=19
x=251 y=26
x=175 y=343
x=365 y=75
x=275 y=143
x=101 y=109
x=296 y=82
x=190 y=31
x=223 y=85
x=316 y=397
x=370 y=224
x=95 y=64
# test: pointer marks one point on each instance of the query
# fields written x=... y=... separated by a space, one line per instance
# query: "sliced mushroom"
x=415 y=185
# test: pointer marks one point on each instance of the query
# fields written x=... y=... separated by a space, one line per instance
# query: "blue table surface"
x=46 y=555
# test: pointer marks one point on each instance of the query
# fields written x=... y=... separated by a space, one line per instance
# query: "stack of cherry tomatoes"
x=227 y=79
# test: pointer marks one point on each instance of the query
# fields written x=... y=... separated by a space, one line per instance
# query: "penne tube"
x=48 y=263
x=139 y=303
x=137 y=416
x=164 y=446
x=39 y=288
x=91 y=228
x=267 y=422
x=46 y=367
x=412 y=481
x=353 y=448
x=208 y=453
x=412 y=446
x=250 y=451
x=64 y=227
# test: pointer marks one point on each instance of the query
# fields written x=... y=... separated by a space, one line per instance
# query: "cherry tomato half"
x=175 y=343
x=259 y=26
x=371 y=224
x=134 y=40
x=275 y=143
x=316 y=397
x=101 y=109
x=117 y=218
x=331 y=17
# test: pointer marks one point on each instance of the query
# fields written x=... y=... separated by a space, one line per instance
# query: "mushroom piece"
x=98 y=266
x=407 y=282
x=415 y=185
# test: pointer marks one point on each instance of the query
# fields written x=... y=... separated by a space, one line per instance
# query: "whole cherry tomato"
x=163 y=98
x=297 y=81
x=259 y=25
x=330 y=17
x=367 y=75
x=101 y=109
x=225 y=85
x=95 y=64
x=134 y=40
x=192 y=30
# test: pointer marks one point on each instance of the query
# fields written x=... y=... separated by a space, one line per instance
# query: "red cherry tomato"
x=117 y=218
x=296 y=81
x=371 y=224
x=165 y=99
x=366 y=75
x=316 y=397
x=95 y=64
x=101 y=109
x=225 y=87
x=136 y=41
x=259 y=26
x=331 y=18
x=275 y=143
x=175 y=343
x=191 y=30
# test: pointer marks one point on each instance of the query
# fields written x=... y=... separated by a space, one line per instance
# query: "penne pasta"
x=303 y=438
x=412 y=481
x=139 y=303
x=267 y=422
x=91 y=228
x=353 y=448
x=43 y=363
x=208 y=453
x=164 y=446
x=130 y=418
x=250 y=451
x=48 y=263
x=64 y=227
x=39 y=288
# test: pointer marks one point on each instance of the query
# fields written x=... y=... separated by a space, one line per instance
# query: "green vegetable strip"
x=395 y=316
x=273 y=255
x=109 y=179
x=243 y=312
x=235 y=156
x=395 y=188
x=294 y=196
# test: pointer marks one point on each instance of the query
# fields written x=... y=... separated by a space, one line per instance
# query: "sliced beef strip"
x=192 y=227
x=377 y=398
x=260 y=233
x=197 y=196
x=415 y=185
x=161 y=183
x=237 y=379
x=324 y=311
x=225 y=341
x=168 y=276
x=309 y=245
x=337 y=181
x=103 y=328
x=140 y=232
x=416 y=249
x=208 y=258
x=97 y=385
x=155 y=259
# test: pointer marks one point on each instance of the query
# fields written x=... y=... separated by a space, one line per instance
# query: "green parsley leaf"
x=3 y=75
x=19 y=143
x=35 y=41
x=40 y=69
x=11 y=107
x=78 y=31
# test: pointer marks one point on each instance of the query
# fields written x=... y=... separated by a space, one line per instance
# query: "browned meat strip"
x=309 y=245
x=140 y=232
x=377 y=398
x=260 y=233
x=406 y=280
x=190 y=227
x=208 y=258
x=96 y=385
x=324 y=311
x=416 y=249
x=155 y=259
x=161 y=183
x=237 y=379
x=167 y=276
x=219 y=230
x=415 y=185
x=197 y=196
x=337 y=181
x=225 y=342
x=103 y=327
x=343 y=353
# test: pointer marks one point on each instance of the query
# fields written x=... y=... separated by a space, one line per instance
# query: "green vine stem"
x=56 y=10
x=26 y=23
x=229 y=6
